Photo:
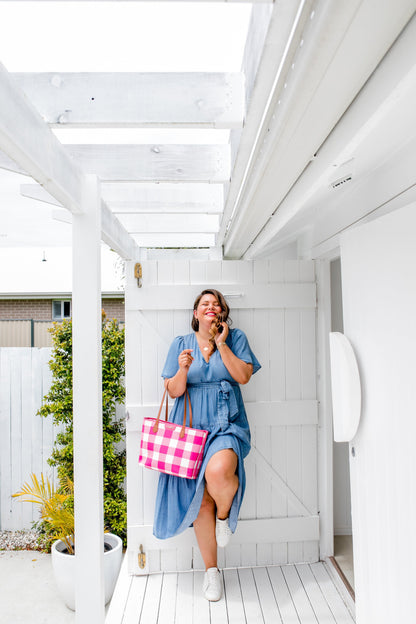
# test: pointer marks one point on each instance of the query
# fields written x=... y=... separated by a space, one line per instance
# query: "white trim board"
x=277 y=295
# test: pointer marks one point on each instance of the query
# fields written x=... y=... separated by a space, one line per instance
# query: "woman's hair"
x=221 y=300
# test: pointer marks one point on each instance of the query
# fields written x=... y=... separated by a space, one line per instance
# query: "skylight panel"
x=124 y=136
x=123 y=36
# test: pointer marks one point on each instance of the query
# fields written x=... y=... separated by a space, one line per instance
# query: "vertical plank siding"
x=26 y=440
x=280 y=398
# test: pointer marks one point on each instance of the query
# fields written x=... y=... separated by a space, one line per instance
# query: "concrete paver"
x=28 y=593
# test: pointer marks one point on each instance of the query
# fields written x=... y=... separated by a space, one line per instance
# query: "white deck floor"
x=295 y=594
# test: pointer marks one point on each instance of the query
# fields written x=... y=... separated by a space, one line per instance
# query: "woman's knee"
x=222 y=467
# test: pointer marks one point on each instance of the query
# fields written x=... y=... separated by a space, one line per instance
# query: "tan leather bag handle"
x=186 y=400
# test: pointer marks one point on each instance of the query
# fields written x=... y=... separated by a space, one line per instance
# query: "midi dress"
x=217 y=406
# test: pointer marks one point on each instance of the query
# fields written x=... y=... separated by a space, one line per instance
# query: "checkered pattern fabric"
x=166 y=452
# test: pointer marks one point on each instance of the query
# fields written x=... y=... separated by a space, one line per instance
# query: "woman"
x=211 y=361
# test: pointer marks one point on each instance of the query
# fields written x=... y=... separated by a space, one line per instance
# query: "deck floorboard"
x=287 y=594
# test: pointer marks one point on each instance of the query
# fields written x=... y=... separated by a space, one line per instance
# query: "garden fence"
x=26 y=440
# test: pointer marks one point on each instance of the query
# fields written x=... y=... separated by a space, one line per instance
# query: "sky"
x=122 y=36
x=102 y=36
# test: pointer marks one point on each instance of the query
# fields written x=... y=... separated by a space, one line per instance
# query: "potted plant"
x=57 y=515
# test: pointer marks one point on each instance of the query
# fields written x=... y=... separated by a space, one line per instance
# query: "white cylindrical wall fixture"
x=346 y=388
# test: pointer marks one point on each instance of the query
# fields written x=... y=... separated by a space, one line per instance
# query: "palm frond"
x=53 y=506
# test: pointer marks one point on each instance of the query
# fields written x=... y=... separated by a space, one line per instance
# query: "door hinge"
x=142 y=558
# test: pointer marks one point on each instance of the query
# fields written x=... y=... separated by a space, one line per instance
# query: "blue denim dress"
x=217 y=406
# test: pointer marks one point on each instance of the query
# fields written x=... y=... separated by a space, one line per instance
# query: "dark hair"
x=221 y=300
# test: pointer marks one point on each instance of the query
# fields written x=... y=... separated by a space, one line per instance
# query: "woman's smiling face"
x=208 y=309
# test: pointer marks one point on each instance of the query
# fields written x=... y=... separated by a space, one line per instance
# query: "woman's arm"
x=176 y=385
x=239 y=370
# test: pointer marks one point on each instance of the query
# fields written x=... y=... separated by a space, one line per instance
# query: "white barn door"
x=274 y=303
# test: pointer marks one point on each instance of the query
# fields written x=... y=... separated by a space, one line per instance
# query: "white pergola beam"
x=115 y=235
x=151 y=192
x=124 y=208
x=175 y=240
x=36 y=191
x=138 y=198
x=10 y=165
x=145 y=223
x=151 y=163
x=185 y=100
x=113 y=232
x=167 y=197
x=27 y=140
x=141 y=223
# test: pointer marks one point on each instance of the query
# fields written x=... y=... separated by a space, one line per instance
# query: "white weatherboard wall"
x=379 y=298
x=274 y=302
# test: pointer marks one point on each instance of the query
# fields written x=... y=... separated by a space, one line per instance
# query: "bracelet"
x=221 y=344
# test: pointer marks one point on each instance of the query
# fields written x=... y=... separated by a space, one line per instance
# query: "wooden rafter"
x=200 y=197
x=137 y=197
x=152 y=163
x=146 y=223
x=115 y=235
x=120 y=99
x=27 y=140
x=175 y=239
x=137 y=224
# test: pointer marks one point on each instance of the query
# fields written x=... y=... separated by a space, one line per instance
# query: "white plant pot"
x=64 y=569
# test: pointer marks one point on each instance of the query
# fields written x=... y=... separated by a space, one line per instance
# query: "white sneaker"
x=222 y=532
x=212 y=585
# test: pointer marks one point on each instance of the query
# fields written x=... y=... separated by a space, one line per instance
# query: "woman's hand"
x=176 y=385
x=185 y=359
x=221 y=337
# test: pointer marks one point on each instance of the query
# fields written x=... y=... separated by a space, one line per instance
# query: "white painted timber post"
x=87 y=398
x=325 y=435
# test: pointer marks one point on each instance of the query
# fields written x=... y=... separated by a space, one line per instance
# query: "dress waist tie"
x=226 y=401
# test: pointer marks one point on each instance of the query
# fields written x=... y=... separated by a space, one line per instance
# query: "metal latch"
x=142 y=558
x=138 y=273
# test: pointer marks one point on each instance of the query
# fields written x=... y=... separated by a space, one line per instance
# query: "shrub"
x=58 y=404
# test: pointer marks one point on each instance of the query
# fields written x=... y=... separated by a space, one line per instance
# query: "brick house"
x=25 y=318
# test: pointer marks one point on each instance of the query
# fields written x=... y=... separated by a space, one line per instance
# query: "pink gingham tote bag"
x=170 y=448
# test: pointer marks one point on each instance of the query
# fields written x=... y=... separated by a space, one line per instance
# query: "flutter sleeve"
x=171 y=365
x=241 y=348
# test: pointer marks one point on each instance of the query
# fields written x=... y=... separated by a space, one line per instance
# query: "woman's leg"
x=222 y=481
x=221 y=486
x=204 y=527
